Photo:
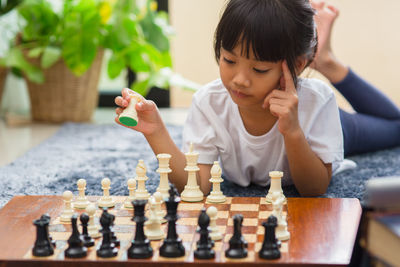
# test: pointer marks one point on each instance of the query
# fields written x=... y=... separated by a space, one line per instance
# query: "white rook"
x=275 y=185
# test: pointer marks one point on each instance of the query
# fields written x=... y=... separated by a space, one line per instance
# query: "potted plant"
x=7 y=32
x=61 y=45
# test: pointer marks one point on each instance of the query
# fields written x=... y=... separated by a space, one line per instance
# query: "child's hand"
x=149 y=120
x=283 y=103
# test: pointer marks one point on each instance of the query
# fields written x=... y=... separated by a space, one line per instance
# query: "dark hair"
x=274 y=29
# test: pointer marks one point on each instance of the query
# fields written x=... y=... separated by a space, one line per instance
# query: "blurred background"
x=149 y=45
x=365 y=36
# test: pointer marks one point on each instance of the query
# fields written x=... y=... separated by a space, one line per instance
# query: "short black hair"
x=274 y=29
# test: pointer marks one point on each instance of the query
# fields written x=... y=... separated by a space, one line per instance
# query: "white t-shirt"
x=215 y=128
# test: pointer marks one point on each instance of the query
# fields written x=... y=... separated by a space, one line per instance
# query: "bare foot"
x=324 y=18
x=325 y=61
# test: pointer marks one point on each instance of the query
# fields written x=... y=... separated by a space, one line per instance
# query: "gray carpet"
x=97 y=151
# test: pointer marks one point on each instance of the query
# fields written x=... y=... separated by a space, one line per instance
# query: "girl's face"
x=248 y=80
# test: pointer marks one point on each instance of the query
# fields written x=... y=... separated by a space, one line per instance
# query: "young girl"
x=259 y=116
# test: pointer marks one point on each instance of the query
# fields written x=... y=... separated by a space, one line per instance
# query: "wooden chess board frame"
x=323 y=233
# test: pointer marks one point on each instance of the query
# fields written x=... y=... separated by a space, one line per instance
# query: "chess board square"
x=264 y=214
x=187 y=221
x=123 y=220
x=244 y=207
x=246 y=222
x=60 y=235
x=223 y=214
x=220 y=207
x=190 y=206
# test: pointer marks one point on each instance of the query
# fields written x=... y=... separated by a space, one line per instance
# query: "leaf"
x=15 y=59
x=35 y=52
x=160 y=79
x=115 y=65
x=50 y=56
x=141 y=87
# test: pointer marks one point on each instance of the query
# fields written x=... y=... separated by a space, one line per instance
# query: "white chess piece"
x=275 y=186
x=93 y=228
x=68 y=210
x=81 y=201
x=216 y=195
x=163 y=170
x=106 y=200
x=129 y=116
x=131 y=188
x=281 y=231
x=141 y=178
x=215 y=234
x=158 y=200
x=152 y=228
x=192 y=192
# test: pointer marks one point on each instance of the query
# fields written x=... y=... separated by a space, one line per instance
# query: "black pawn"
x=107 y=248
x=47 y=217
x=204 y=245
x=88 y=241
x=43 y=246
x=270 y=246
x=237 y=244
x=75 y=248
x=140 y=248
x=114 y=238
x=172 y=246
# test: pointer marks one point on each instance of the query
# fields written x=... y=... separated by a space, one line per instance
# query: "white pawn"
x=141 y=178
x=81 y=201
x=275 y=186
x=68 y=210
x=216 y=195
x=106 y=200
x=192 y=192
x=158 y=200
x=281 y=231
x=153 y=229
x=215 y=234
x=163 y=170
x=93 y=229
x=131 y=187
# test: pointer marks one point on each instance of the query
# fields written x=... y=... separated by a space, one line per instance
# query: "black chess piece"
x=75 y=248
x=114 y=238
x=107 y=248
x=172 y=246
x=270 y=246
x=204 y=245
x=140 y=248
x=88 y=241
x=237 y=244
x=47 y=217
x=43 y=246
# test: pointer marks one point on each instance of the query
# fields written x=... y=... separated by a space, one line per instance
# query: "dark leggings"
x=376 y=123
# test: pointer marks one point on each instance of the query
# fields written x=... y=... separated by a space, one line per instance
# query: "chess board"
x=322 y=231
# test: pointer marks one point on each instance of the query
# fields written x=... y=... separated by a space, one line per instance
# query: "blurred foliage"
x=76 y=30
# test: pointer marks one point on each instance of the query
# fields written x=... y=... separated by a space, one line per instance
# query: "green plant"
x=76 y=30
